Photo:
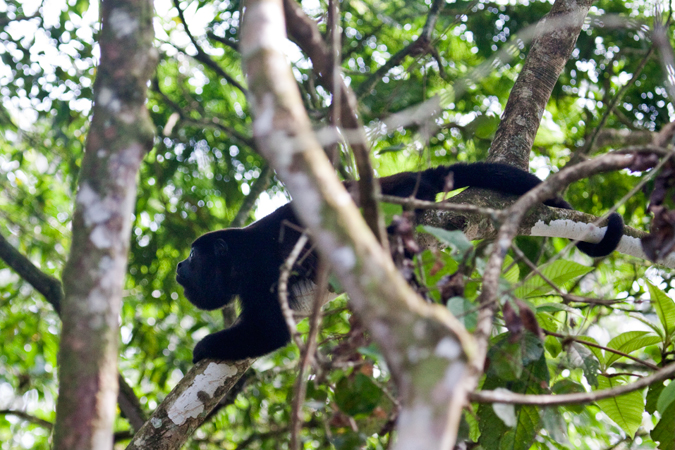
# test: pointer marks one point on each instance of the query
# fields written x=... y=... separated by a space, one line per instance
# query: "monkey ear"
x=220 y=247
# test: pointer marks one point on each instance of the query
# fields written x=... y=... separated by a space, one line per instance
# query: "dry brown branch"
x=306 y=356
x=284 y=274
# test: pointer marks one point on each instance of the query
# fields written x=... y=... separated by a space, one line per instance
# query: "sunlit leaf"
x=559 y=272
x=626 y=410
x=665 y=308
x=629 y=342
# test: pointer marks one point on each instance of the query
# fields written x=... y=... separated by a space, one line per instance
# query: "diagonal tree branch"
x=52 y=290
x=48 y=286
x=189 y=404
x=426 y=348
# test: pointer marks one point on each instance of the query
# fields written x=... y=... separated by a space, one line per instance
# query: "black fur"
x=245 y=262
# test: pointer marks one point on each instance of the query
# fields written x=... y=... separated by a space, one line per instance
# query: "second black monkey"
x=245 y=262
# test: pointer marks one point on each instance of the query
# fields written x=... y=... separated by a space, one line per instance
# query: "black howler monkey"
x=246 y=262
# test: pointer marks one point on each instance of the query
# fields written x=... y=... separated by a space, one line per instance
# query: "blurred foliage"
x=204 y=164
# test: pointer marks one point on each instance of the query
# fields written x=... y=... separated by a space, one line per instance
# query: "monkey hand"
x=205 y=349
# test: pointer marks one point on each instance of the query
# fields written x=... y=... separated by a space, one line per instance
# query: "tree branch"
x=602 y=347
x=556 y=36
x=188 y=404
x=427 y=350
x=257 y=188
x=120 y=134
x=52 y=290
x=421 y=45
x=504 y=396
x=27 y=417
x=48 y=286
x=304 y=32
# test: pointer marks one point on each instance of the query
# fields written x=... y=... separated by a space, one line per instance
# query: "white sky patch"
x=267 y=204
x=188 y=405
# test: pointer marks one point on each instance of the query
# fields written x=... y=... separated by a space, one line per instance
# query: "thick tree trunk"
x=121 y=133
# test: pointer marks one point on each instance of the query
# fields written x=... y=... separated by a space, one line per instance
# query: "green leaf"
x=666 y=398
x=664 y=431
x=465 y=311
x=653 y=394
x=526 y=427
x=665 y=308
x=626 y=410
x=454 y=239
x=629 y=342
x=358 y=395
x=599 y=354
x=559 y=272
x=485 y=126
x=552 y=345
x=513 y=274
x=554 y=423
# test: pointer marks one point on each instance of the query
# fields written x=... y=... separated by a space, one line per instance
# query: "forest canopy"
x=387 y=87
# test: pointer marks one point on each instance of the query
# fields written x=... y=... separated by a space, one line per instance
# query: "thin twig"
x=257 y=188
x=571 y=399
x=204 y=57
x=602 y=347
x=306 y=356
x=588 y=148
x=423 y=204
x=27 y=417
x=284 y=274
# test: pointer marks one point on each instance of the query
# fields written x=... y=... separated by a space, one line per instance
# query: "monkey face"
x=207 y=275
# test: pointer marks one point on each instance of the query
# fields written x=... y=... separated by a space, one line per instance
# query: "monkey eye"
x=192 y=253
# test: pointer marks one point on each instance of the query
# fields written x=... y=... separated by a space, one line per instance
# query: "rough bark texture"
x=427 y=350
x=121 y=133
x=188 y=404
x=545 y=61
